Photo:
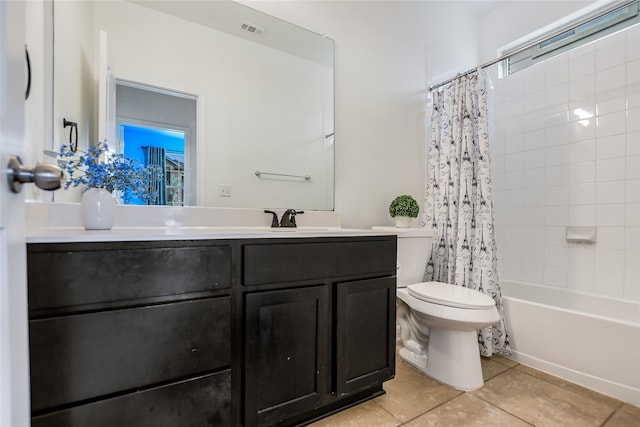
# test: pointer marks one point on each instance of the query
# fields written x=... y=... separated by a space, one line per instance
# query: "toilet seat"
x=450 y=295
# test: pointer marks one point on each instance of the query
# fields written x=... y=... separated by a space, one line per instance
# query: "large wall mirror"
x=252 y=96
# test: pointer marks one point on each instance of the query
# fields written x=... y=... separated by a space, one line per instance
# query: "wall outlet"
x=225 y=190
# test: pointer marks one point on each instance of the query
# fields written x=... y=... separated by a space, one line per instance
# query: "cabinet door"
x=365 y=334
x=285 y=353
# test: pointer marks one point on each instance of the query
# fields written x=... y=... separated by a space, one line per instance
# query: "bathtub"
x=590 y=340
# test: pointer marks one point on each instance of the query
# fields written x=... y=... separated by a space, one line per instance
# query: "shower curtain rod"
x=550 y=36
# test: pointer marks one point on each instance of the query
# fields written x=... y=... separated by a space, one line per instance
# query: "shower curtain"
x=156 y=156
x=459 y=204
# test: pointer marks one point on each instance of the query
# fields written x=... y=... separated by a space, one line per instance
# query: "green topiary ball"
x=404 y=205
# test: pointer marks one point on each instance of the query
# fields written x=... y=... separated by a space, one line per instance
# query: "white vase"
x=98 y=209
x=403 y=221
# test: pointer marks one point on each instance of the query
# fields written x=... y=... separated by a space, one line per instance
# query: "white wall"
x=385 y=53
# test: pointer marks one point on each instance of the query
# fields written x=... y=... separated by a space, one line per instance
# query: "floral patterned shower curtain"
x=459 y=203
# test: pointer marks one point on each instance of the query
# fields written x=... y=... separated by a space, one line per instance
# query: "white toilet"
x=439 y=322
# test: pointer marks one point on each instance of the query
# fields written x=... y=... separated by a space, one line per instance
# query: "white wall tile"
x=556 y=175
x=583 y=129
x=633 y=119
x=555 y=276
x=633 y=144
x=632 y=194
x=614 y=54
x=534 y=120
x=532 y=273
x=513 y=198
x=611 y=238
x=556 y=215
x=534 y=178
x=633 y=95
x=609 y=283
x=533 y=254
x=556 y=71
x=633 y=167
x=632 y=215
x=555 y=235
x=581 y=173
x=582 y=65
x=610 y=215
x=556 y=256
x=609 y=260
x=534 y=140
x=633 y=72
x=514 y=162
x=558 y=155
x=632 y=238
x=534 y=80
x=611 y=102
x=611 y=124
x=534 y=197
x=582 y=151
x=534 y=101
x=557 y=135
x=581 y=267
x=555 y=95
x=583 y=108
x=582 y=87
x=533 y=235
x=556 y=196
x=556 y=115
x=610 y=192
x=633 y=42
x=611 y=147
x=582 y=215
x=610 y=169
x=610 y=41
x=611 y=78
x=535 y=159
x=632 y=276
x=582 y=194
x=532 y=216
x=513 y=180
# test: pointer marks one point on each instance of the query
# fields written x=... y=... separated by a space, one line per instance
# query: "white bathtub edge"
x=619 y=391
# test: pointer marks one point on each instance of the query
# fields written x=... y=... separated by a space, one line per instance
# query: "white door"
x=14 y=351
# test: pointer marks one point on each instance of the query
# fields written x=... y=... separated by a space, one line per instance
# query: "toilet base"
x=453 y=358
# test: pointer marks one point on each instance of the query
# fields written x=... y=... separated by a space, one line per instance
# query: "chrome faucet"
x=289 y=218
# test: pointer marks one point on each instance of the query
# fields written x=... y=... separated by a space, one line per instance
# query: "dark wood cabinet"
x=287 y=338
x=253 y=332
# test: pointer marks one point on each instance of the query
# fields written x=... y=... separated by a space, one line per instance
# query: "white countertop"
x=79 y=234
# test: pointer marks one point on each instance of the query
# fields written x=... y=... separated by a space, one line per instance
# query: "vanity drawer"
x=203 y=401
x=289 y=262
x=83 y=276
x=79 y=357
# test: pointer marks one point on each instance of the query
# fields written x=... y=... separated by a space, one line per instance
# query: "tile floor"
x=513 y=395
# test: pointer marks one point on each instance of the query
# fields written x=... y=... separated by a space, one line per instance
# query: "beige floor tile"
x=610 y=402
x=491 y=368
x=542 y=403
x=411 y=393
x=469 y=411
x=630 y=409
x=623 y=419
x=366 y=414
x=503 y=360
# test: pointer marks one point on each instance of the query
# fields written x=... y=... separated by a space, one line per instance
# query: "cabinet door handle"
x=26 y=94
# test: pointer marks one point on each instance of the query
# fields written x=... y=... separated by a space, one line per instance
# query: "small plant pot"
x=403 y=221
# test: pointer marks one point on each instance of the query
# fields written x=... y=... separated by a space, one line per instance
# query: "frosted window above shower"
x=568 y=34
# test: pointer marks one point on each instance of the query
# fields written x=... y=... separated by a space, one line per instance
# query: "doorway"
x=163 y=120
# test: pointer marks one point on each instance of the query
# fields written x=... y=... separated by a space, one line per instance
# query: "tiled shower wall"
x=566 y=151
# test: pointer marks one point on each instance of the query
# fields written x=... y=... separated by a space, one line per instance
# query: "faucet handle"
x=289 y=218
x=274 y=219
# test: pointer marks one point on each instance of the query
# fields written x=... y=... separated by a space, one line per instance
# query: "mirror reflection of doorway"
x=158 y=127
x=137 y=140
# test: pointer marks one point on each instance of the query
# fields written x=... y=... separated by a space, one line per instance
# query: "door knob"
x=46 y=176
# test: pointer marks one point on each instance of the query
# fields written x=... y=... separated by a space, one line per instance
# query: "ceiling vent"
x=250 y=28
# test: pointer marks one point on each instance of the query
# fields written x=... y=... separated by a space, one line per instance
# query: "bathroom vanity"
x=215 y=329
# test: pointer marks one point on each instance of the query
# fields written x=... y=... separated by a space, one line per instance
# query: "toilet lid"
x=450 y=295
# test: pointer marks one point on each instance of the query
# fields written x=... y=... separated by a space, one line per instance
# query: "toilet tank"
x=414 y=249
